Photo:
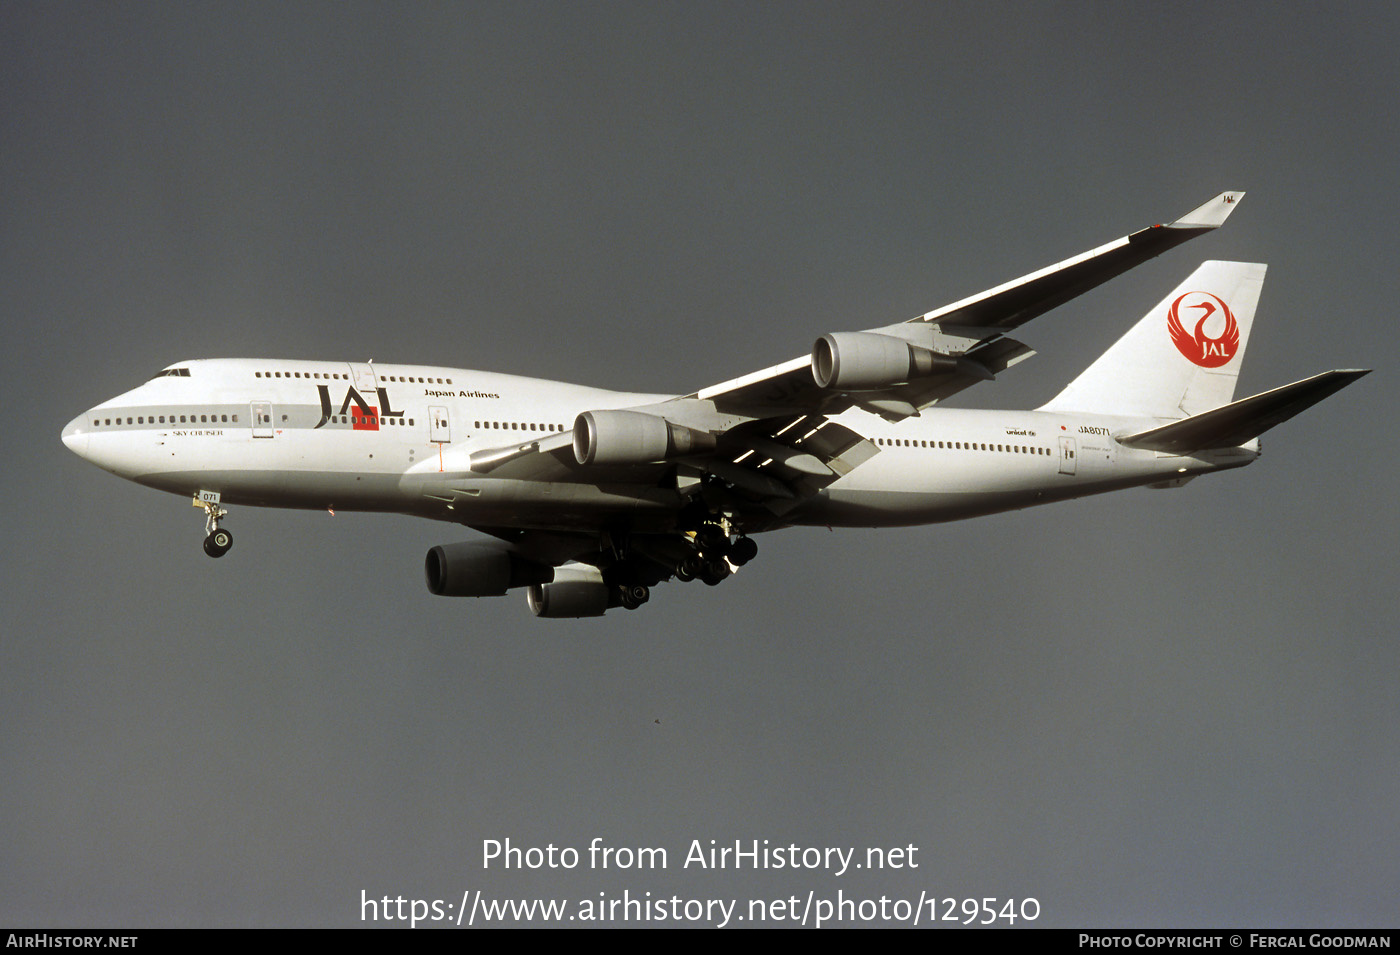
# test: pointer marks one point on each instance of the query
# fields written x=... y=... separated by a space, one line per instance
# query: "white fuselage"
x=398 y=438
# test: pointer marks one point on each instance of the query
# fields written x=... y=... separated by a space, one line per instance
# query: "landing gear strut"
x=218 y=541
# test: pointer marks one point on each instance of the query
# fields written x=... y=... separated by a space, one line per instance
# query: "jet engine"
x=868 y=361
x=474 y=569
x=634 y=437
x=577 y=590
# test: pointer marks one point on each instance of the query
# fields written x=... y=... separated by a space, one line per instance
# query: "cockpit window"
x=172 y=373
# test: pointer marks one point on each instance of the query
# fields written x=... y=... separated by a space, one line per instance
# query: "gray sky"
x=1150 y=708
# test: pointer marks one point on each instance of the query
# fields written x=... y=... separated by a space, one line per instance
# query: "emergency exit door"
x=441 y=431
x=1066 y=455
x=262 y=419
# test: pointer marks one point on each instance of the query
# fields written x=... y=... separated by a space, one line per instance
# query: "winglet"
x=1211 y=215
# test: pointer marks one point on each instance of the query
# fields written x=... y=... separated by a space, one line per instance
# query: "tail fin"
x=1183 y=357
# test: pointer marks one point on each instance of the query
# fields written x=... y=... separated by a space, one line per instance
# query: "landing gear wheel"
x=743 y=550
x=688 y=569
x=634 y=595
x=714 y=571
x=218 y=543
x=711 y=537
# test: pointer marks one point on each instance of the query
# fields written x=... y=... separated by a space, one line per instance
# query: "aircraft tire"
x=743 y=550
x=218 y=543
x=714 y=571
x=710 y=538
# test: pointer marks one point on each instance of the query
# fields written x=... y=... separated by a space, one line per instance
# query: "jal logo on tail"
x=1210 y=313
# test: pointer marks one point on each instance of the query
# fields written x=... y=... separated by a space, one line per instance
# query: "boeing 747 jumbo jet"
x=588 y=498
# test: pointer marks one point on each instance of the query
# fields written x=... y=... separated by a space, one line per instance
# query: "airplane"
x=588 y=498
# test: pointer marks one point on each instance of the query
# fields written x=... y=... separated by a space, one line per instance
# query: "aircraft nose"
x=75 y=435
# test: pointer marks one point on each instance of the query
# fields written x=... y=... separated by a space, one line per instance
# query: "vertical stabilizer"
x=1183 y=357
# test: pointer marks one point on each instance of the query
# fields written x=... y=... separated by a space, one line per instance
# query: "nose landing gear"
x=217 y=540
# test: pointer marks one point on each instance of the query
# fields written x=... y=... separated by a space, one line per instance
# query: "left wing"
x=898 y=369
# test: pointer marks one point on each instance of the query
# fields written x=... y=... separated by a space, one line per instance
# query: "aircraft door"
x=441 y=431
x=262 y=419
x=1066 y=455
x=363 y=376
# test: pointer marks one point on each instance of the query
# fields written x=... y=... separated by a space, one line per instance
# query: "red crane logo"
x=1198 y=346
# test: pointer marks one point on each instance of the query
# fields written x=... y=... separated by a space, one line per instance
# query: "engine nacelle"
x=576 y=591
x=868 y=361
x=634 y=437
x=474 y=569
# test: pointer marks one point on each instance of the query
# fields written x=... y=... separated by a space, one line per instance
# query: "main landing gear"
x=218 y=540
x=716 y=555
x=634 y=595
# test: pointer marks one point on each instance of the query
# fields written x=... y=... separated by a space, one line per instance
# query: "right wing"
x=971 y=332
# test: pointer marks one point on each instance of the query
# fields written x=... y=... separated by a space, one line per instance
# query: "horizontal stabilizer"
x=1233 y=424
